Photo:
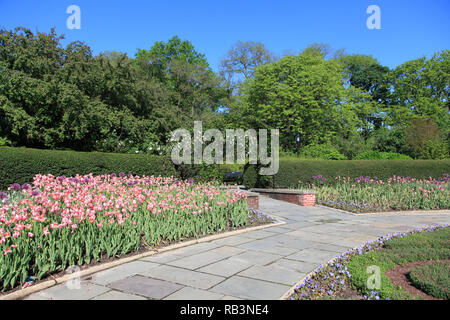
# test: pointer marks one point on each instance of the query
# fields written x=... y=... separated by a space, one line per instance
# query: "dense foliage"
x=20 y=165
x=432 y=278
x=293 y=171
x=65 y=97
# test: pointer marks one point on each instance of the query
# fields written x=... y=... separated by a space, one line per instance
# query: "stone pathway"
x=261 y=264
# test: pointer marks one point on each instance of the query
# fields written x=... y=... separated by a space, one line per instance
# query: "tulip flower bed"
x=365 y=194
x=348 y=276
x=59 y=222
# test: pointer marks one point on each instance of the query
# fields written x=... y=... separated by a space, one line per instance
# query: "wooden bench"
x=232 y=176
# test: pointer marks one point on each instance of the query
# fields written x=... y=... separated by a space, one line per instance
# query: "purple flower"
x=113 y=175
x=3 y=195
x=35 y=193
x=26 y=186
x=15 y=187
x=61 y=178
x=121 y=174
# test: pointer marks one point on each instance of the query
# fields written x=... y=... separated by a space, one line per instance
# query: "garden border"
x=50 y=283
x=291 y=290
x=424 y=211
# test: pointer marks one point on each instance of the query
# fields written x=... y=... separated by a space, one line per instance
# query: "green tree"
x=421 y=89
x=303 y=94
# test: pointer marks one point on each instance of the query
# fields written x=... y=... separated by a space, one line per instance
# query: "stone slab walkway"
x=260 y=264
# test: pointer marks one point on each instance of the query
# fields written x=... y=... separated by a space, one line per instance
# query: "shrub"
x=432 y=278
x=20 y=165
x=377 y=155
x=322 y=151
x=292 y=171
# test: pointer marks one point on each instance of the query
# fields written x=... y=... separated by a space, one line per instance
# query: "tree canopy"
x=65 y=97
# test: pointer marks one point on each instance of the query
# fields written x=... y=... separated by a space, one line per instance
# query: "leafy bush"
x=377 y=155
x=432 y=278
x=292 y=171
x=20 y=165
x=322 y=151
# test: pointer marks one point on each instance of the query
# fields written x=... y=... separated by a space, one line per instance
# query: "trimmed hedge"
x=19 y=165
x=292 y=170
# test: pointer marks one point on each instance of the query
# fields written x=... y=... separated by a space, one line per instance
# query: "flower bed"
x=59 y=222
x=347 y=276
x=365 y=194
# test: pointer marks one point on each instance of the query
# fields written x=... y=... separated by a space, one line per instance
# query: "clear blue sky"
x=409 y=29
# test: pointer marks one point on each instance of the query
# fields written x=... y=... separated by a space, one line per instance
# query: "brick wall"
x=302 y=199
x=253 y=201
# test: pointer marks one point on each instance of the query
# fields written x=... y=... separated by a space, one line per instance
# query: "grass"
x=355 y=269
x=432 y=278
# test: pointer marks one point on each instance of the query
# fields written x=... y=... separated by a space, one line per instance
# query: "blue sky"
x=409 y=29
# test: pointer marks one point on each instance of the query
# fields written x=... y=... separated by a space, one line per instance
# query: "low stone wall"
x=298 y=197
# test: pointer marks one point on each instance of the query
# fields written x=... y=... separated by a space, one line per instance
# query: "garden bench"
x=232 y=176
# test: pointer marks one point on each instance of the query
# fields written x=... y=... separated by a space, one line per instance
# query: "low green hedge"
x=19 y=165
x=292 y=170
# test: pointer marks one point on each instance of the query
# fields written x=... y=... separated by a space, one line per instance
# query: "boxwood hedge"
x=19 y=165
x=293 y=170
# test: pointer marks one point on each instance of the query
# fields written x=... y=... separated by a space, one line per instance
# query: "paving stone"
x=279 y=229
x=258 y=234
x=287 y=241
x=333 y=248
x=163 y=257
x=298 y=225
x=256 y=257
x=272 y=273
x=196 y=248
x=312 y=255
x=316 y=237
x=266 y=245
x=230 y=298
x=86 y=291
x=197 y=260
x=123 y=271
x=232 y=241
x=188 y=293
x=226 y=268
x=253 y=289
x=227 y=251
x=117 y=295
x=299 y=266
x=183 y=276
x=148 y=287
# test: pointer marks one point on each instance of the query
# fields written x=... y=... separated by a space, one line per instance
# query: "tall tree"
x=303 y=94
x=421 y=89
x=241 y=61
